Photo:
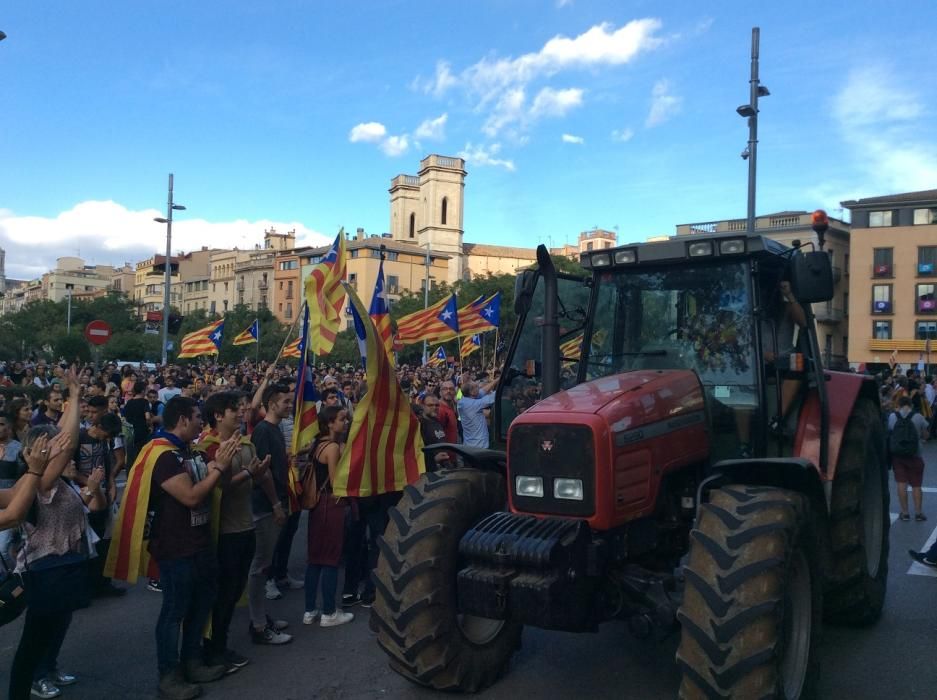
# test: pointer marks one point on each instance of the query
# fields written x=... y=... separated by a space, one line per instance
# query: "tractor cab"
x=723 y=307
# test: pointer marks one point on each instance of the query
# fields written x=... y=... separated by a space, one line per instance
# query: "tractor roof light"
x=626 y=257
x=601 y=260
x=700 y=249
x=733 y=246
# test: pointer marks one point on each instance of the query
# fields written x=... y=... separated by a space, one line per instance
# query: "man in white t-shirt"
x=169 y=390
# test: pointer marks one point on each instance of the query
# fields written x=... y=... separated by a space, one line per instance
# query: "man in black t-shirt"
x=135 y=411
x=180 y=542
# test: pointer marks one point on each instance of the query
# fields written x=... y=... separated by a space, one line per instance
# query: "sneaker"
x=278 y=625
x=920 y=517
x=45 y=689
x=367 y=601
x=153 y=585
x=310 y=617
x=60 y=679
x=270 y=636
x=234 y=661
x=921 y=558
x=173 y=686
x=273 y=593
x=339 y=617
x=198 y=672
x=109 y=590
x=350 y=600
x=290 y=584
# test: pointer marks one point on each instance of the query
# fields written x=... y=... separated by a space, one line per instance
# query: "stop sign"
x=98 y=332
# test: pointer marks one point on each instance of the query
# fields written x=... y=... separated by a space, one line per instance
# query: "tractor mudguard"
x=793 y=473
x=475 y=457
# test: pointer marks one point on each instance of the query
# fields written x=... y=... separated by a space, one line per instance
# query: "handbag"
x=12 y=594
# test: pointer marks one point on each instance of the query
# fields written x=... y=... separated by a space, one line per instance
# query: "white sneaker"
x=290 y=583
x=339 y=617
x=309 y=618
x=273 y=593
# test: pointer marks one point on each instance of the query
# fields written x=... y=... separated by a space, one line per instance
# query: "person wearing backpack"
x=906 y=431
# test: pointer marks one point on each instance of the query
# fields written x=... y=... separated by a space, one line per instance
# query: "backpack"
x=904 y=439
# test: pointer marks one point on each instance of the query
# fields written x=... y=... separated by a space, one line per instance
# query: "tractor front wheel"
x=751 y=612
x=416 y=611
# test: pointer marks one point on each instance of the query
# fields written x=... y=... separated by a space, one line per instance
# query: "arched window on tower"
x=445 y=208
x=412 y=225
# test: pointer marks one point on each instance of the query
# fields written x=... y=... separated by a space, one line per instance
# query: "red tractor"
x=677 y=457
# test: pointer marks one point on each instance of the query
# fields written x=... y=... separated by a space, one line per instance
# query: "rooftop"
x=500 y=251
x=922 y=196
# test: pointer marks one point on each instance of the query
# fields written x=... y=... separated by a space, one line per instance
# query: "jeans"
x=235 y=553
x=38 y=650
x=279 y=567
x=266 y=532
x=189 y=588
x=355 y=551
x=329 y=576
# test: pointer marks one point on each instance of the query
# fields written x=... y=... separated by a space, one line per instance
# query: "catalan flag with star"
x=438 y=358
x=204 y=341
x=251 y=335
x=325 y=297
x=292 y=349
x=384 y=451
x=379 y=312
x=483 y=314
x=436 y=323
x=470 y=345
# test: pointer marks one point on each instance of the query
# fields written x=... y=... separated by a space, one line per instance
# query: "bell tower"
x=405 y=214
x=440 y=218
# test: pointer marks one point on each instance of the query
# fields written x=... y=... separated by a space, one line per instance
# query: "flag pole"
x=258 y=341
x=289 y=333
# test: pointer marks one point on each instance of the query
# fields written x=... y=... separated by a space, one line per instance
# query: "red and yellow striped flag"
x=410 y=327
x=384 y=451
x=379 y=311
x=204 y=341
x=325 y=297
x=470 y=345
x=251 y=335
x=292 y=350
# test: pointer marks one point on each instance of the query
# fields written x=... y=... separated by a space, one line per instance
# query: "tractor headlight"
x=601 y=260
x=568 y=489
x=733 y=246
x=701 y=249
x=625 y=257
x=530 y=486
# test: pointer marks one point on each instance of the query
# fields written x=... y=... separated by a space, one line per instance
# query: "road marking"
x=919 y=569
x=928 y=489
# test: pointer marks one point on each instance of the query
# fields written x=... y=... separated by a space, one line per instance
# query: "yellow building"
x=150 y=275
x=893 y=278
x=786 y=227
x=71 y=277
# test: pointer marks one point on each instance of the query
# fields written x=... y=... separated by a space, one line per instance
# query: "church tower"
x=442 y=188
x=405 y=214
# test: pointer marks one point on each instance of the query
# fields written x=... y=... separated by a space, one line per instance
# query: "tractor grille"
x=550 y=452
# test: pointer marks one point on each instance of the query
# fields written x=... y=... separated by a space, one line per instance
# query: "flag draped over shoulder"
x=436 y=323
x=384 y=451
x=305 y=420
x=325 y=298
x=379 y=312
x=251 y=335
x=470 y=345
x=128 y=557
x=204 y=341
x=480 y=315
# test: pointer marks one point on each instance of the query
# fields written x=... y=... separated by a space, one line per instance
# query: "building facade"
x=832 y=317
x=893 y=278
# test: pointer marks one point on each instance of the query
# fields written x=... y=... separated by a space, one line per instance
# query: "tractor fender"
x=792 y=473
x=475 y=457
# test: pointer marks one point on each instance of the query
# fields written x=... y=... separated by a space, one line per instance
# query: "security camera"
x=745 y=154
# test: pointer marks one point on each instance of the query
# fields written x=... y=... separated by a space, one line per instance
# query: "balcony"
x=881 y=307
x=828 y=314
x=883 y=270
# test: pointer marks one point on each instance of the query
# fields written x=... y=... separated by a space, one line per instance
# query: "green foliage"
x=71 y=346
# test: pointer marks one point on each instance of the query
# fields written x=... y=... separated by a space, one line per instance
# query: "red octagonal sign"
x=98 y=332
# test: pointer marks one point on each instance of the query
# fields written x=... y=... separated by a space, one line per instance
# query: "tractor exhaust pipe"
x=550 y=351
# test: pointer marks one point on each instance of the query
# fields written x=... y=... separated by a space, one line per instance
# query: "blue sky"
x=571 y=114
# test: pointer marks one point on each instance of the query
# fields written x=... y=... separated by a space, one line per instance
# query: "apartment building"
x=832 y=317
x=150 y=276
x=893 y=278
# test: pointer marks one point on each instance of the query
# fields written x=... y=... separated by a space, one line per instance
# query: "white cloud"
x=569 y=138
x=555 y=103
x=438 y=84
x=664 y=105
x=368 y=132
x=622 y=135
x=105 y=233
x=395 y=145
x=480 y=155
x=885 y=122
x=432 y=129
x=510 y=109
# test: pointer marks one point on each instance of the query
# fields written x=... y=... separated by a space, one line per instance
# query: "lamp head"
x=746 y=111
x=178 y=207
x=161 y=220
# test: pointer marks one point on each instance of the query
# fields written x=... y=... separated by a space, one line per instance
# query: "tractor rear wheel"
x=415 y=610
x=751 y=611
x=859 y=522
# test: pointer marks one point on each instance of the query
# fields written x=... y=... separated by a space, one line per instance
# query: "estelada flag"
x=305 y=420
x=292 y=349
x=379 y=312
x=325 y=297
x=438 y=358
x=384 y=451
x=128 y=557
x=251 y=335
x=470 y=345
x=413 y=328
x=204 y=341
x=480 y=315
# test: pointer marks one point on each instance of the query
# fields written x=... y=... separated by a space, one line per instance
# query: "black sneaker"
x=367 y=600
x=350 y=600
x=153 y=585
x=234 y=661
x=269 y=636
x=921 y=558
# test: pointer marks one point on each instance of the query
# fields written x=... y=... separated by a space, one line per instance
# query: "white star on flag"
x=488 y=311
x=446 y=315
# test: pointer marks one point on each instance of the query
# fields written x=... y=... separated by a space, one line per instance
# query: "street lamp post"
x=167 y=278
x=68 y=320
x=750 y=111
x=426 y=288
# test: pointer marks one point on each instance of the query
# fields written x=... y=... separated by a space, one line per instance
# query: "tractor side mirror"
x=812 y=277
x=524 y=285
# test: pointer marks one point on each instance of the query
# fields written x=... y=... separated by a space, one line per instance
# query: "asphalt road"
x=111 y=648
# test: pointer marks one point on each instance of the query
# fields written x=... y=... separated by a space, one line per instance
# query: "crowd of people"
x=217 y=444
